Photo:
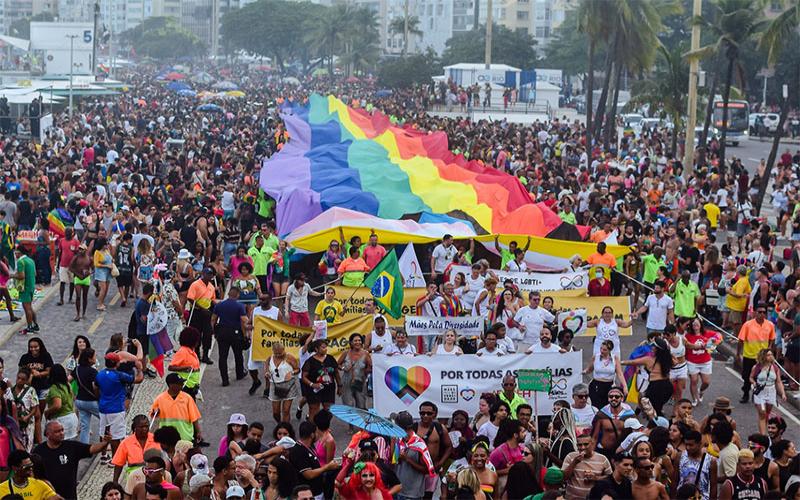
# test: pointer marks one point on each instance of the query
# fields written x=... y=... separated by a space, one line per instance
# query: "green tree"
x=21 y=28
x=665 y=88
x=162 y=38
x=779 y=35
x=735 y=22
x=398 y=27
x=404 y=72
x=591 y=22
x=508 y=47
x=361 y=48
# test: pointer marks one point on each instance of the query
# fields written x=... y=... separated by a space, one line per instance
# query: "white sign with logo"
x=401 y=383
x=531 y=282
x=574 y=320
x=471 y=326
x=410 y=268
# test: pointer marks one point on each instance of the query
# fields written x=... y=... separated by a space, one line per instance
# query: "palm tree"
x=665 y=88
x=591 y=21
x=398 y=27
x=636 y=24
x=735 y=22
x=781 y=32
x=327 y=34
x=362 y=40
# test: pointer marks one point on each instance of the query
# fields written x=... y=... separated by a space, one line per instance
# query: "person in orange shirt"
x=754 y=335
x=601 y=234
x=202 y=295
x=601 y=257
x=130 y=453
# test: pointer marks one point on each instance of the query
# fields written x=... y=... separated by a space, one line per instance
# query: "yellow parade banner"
x=267 y=332
x=353 y=303
x=594 y=307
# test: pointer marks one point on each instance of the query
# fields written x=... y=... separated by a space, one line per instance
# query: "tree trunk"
x=601 y=102
x=703 y=140
x=675 y=128
x=773 y=153
x=612 y=111
x=590 y=97
x=725 y=98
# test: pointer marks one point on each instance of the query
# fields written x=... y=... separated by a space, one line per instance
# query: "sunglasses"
x=581 y=396
x=509 y=385
x=615 y=396
x=425 y=413
x=526 y=453
x=646 y=467
x=149 y=471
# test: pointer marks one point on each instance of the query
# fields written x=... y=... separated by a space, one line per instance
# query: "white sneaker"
x=695 y=402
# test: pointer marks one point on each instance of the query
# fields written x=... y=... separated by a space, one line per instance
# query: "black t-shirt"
x=61 y=465
x=693 y=255
x=42 y=362
x=85 y=376
x=621 y=490
x=304 y=459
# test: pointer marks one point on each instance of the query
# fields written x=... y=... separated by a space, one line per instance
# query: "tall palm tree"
x=734 y=22
x=592 y=21
x=398 y=27
x=327 y=34
x=781 y=32
x=636 y=25
x=665 y=88
x=362 y=40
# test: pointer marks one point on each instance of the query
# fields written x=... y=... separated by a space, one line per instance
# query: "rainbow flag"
x=630 y=372
x=59 y=219
x=343 y=157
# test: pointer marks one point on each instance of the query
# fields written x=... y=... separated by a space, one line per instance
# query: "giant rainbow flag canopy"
x=343 y=157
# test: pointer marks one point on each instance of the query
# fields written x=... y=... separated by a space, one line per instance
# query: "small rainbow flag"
x=59 y=220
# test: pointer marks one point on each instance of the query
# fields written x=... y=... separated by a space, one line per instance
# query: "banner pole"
x=536 y=413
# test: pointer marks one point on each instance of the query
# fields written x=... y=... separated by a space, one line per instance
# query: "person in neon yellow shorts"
x=81 y=268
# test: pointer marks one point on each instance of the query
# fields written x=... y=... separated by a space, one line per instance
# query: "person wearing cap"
x=637 y=433
x=582 y=409
x=130 y=452
x=745 y=484
x=234 y=492
x=202 y=296
x=231 y=327
x=26 y=275
x=553 y=480
x=414 y=463
x=755 y=335
x=111 y=403
x=199 y=487
x=176 y=408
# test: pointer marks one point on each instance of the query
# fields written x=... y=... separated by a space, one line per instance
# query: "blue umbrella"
x=225 y=85
x=177 y=86
x=383 y=93
x=210 y=108
x=367 y=420
x=187 y=93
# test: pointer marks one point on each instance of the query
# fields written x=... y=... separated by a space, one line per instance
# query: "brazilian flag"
x=386 y=284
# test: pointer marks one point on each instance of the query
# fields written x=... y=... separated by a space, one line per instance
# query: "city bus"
x=738 y=119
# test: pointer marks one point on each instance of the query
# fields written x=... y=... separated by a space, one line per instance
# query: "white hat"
x=184 y=254
x=237 y=419
x=632 y=423
x=235 y=491
x=198 y=481
x=199 y=464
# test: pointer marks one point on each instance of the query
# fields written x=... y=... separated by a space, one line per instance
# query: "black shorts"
x=262 y=280
x=124 y=280
x=279 y=278
x=793 y=352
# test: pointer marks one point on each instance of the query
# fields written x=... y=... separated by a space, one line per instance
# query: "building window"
x=542 y=32
x=439 y=9
x=522 y=31
x=522 y=15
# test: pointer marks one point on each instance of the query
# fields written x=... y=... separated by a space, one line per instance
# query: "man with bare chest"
x=81 y=269
x=645 y=488
x=437 y=439
x=608 y=423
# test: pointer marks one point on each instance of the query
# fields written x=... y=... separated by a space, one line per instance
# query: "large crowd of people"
x=162 y=206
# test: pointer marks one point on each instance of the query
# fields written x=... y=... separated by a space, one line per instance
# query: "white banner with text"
x=403 y=382
x=469 y=326
x=530 y=282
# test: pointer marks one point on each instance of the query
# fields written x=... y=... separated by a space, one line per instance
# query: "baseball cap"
x=553 y=476
x=235 y=491
x=112 y=356
x=404 y=420
x=237 y=419
x=199 y=464
x=368 y=445
x=198 y=481
x=661 y=422
x=632 y=423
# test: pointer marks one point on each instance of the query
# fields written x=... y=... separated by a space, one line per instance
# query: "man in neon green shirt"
x=261 y=255
x=651 y=262
x=510 y=396
x=686 y=296
x=508 y=255
x=566 y=214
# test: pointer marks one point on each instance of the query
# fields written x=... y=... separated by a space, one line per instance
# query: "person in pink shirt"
x=373 y=253
x=241 y=256
x=507 y=448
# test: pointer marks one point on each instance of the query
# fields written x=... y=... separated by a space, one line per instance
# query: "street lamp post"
x=694 y=67
x=71 y=68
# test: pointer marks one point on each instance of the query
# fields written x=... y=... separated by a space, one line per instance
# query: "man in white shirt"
x=545 y=343
x=530 y=320
x=442 y=255
x=490 y=347
x=659 y=308
x=581 y=409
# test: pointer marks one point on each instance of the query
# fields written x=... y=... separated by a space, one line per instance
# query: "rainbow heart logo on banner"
x=407 y=384
x=467 y=394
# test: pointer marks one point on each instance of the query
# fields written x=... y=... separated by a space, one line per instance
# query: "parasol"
x=367 y=420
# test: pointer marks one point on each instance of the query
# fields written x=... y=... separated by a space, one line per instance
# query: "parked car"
x=769 y=122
